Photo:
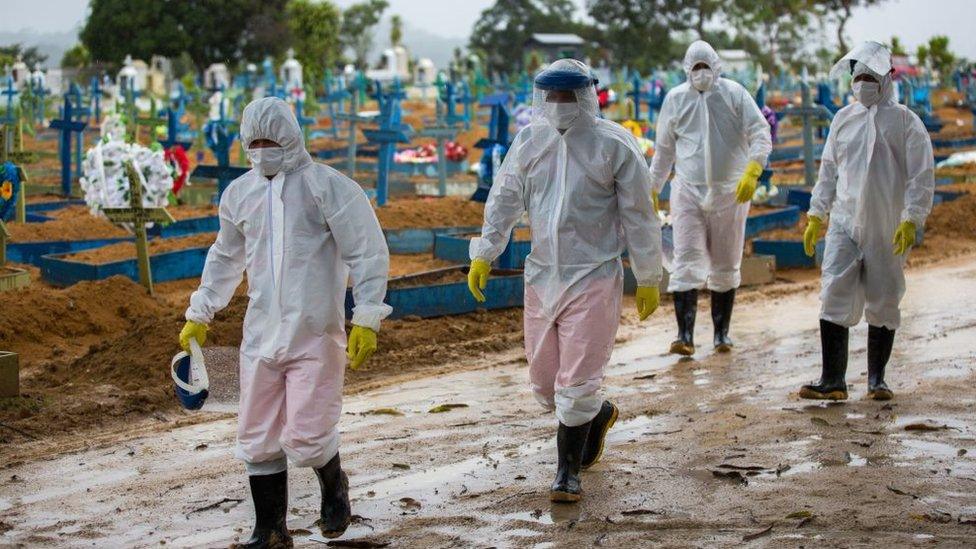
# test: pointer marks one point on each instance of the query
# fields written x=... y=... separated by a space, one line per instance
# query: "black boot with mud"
x=833 y=379
x=336 y=512
x=597 y=435
x=721 y=318
x=685 y=308
x=880 y=342
x=569 y=444
x=270 y=495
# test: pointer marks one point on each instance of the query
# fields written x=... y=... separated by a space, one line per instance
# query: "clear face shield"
x=564 y=94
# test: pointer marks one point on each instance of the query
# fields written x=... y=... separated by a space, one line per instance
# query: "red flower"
x=176 y=156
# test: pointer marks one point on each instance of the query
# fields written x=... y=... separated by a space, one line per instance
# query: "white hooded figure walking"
x=714 y=135
x=300 y=230
x=584 y=184
x=876 y=182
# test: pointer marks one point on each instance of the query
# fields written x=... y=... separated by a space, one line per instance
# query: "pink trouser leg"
x=567 y=357
x=291 y=407
x=261 y=416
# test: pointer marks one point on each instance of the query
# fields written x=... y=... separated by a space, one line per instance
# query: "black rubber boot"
x=336 y=513
x=685 y=308
x=721 y=317
x=569 y=444
x=597 y=434
x=833 y=379
x=880 y=341
x=270 y=495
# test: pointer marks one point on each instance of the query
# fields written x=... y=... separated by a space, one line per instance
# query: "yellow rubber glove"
x=192 y=330
x=811 y=234
x=655 y=202
x=748 y=181
x=478 y=278
x=648 y=298
x=904 y=237
x=361 y=346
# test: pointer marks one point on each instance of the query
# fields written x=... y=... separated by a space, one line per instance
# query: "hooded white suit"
x=299 y=236
x=708 y=137
x=587 y=194
x=877 y=170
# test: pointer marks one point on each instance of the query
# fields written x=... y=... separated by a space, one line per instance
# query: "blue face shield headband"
x=563 y=80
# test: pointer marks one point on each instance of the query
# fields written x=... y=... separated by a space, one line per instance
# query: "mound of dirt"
x=127 y=250
x=450 y=211
x=954 y=219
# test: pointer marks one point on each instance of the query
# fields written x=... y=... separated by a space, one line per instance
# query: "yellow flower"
x=6 y=190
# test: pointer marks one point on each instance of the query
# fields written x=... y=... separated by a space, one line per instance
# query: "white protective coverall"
x=708 y=136
x=587 y=194
x=300 y=236
x=877 y=170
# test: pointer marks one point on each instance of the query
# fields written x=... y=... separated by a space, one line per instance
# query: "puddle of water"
x=702 y=381
x=852 y=415
x=855 y=460
x=530 y=516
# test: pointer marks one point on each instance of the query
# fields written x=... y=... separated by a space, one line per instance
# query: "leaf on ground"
x=926 y=426
x=765 y=531
x=799 y=515
x=638 y=512
x=648 y=376
x=441 y=408
x=403 y=466
x=409 y=503
x=730 y=475
x=901 y=492
x=383 y=412
x=820 y=421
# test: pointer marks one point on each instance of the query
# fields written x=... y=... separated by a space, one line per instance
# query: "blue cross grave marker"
x=390 y=132
x=66 y=125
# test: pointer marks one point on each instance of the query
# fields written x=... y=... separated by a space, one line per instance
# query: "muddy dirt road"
x=714 y=452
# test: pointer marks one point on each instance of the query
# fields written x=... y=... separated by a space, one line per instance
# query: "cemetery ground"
x=714 y=451
x=443 y=442
x=707 y=451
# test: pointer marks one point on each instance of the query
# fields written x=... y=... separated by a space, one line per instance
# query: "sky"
x=914 y=21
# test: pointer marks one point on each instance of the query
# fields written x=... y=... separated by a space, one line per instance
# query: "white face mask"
x=564 y=114
x=267 y=160
x=867 y=93
x=702 y=79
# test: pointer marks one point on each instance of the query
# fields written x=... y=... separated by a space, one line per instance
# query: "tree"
x=940 y=58
x=315 y=30
x=500 y=33
x=209 y=31
x=357 y=27
x=840 y=12
x=776 y=30
x=699 y=11
x=396 y=30
x=897 y=48
x=626 y=25
x=76 y=58
x=31 y=56
x=922 y=54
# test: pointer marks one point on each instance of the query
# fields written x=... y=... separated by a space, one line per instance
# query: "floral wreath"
x=9 y=188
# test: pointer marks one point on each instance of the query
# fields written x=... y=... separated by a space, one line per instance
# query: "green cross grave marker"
x=138 y=216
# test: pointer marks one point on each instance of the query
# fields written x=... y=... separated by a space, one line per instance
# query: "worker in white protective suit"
x=583 y=182
x=300 y=230
x=876 y=182
x=714 y=135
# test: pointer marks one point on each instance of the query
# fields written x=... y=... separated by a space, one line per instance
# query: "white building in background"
x=215 y=76
x=159 y=75
x=395 y=63
x=54 y=80
x=133 y=74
